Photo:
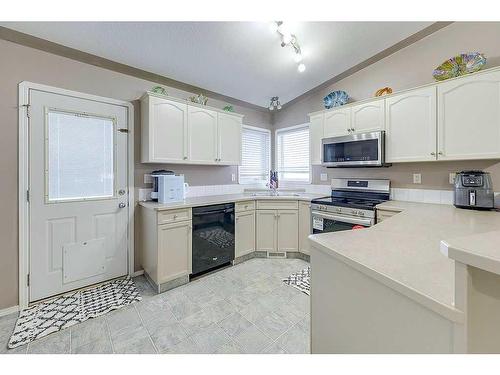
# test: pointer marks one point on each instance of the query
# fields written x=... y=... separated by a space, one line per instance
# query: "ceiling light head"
x=274 y=104
x=301 y=68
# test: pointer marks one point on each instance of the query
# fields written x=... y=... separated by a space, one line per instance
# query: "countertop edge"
x=447 y=311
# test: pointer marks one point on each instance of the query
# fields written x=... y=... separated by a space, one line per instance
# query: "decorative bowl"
x=384 y=91
x=159 y=90
x=335 y=99
x=228 y=108
x=199 y=99
x=459 y=65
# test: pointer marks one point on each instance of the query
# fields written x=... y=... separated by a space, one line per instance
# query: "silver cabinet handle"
x=185 y=157
x=440 y=153
x=352 y=129
x=433 y=153
x=122 y=205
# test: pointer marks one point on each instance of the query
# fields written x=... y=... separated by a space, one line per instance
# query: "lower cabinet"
x=304 y=227
x=165 y=244
x=244 y=233
x=277 y=230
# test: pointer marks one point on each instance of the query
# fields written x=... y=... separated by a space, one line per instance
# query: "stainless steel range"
x=351 y=205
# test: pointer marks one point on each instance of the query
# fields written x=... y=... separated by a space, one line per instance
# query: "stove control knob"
x=354 y=212
x=361 y=213
x=339 y=209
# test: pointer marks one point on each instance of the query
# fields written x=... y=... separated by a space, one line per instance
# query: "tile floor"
x=240 y=309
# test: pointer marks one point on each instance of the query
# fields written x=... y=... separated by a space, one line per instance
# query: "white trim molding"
x=23 y=177
x=9 y=310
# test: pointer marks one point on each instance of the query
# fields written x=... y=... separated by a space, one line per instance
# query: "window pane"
x=80 y=156
x=255 y=156
x=292 y=154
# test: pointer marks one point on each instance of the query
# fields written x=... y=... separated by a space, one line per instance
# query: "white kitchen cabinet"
x=164 y=130
x=266 y=239
x=469 y=117
x=337 y=122
x=229 y=139
x=165 y=245
x=315 y=137
x=368 y=117
x=174 y=251
x=304 y=227
x=202 y=132
x=287 y=234
x=244 y=233
x=410 y=123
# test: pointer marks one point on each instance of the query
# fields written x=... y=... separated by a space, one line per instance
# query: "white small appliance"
x=171 y=188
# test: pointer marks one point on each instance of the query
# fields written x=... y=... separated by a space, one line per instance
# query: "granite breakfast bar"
x=389 y=288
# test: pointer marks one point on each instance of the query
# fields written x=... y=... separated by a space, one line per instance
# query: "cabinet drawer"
x=173 y=216
x=244 y=206
x=277 y=205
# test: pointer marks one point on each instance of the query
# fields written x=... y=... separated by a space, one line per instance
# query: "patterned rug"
x=65 y=311
x=300 y=280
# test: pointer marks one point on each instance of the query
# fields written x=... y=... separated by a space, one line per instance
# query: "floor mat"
x=300 y=280
x=65 y=311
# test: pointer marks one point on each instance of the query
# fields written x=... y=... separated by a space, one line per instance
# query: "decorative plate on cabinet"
x=459 y=65
x=335 y=99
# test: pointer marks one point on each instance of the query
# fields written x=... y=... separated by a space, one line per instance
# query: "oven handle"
x=345 y=219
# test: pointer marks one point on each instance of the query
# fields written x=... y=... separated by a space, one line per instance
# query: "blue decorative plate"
x=335 y=99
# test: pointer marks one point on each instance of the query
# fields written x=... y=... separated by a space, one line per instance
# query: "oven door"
x=355 y=150
x=323 y=222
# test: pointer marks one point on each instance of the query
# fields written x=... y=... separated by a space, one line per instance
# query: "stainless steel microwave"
x=354 y=150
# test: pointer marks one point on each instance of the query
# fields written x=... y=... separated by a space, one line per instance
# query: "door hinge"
x=28 y=279
x=123 y=130
x=28 y=113
x=27 y=195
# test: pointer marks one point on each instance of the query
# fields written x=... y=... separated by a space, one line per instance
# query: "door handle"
x=122 y=205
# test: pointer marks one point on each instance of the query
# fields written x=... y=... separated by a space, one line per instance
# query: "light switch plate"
x=148 y=179
x=233 y=177
x=417 y=178
x=452 y=178
x=323 y=177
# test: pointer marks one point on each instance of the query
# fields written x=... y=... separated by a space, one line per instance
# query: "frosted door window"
x=80 y=156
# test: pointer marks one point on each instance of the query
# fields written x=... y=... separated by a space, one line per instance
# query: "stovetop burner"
x=367 y=204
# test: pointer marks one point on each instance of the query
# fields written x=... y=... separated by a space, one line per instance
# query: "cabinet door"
x=266 y=230
x=229 y=139
x=202 y=135
x=315 y=136
x=244 y=233
x=368 y=117
x=174 y=251
x=288 y=233
x=469 y=117
x=304 y=227
x=337 y=122
x=165 y=131
x=411 y=126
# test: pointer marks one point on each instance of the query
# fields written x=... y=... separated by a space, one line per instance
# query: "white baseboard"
x=9 y=310
x=138 y=273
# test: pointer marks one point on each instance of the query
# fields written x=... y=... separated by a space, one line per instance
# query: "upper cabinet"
x=164 y=130
x=410 y=126
x=229 y=139
x=469 y=117
x=367 y=117
x=174 y=131
x=315 y=136
x=202 y=130
x=337 y=122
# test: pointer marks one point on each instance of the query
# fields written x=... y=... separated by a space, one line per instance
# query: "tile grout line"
x=149 y=335
x=109 y=335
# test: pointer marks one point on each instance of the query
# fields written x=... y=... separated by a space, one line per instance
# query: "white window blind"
x=292 y=154
x=255 y=155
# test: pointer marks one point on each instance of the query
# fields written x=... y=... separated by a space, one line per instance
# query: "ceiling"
x=243 y=60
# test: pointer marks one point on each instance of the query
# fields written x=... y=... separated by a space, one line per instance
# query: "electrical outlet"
x=148 y=179
x=323 y=177
x=452 y=178
x=417 y=178
x=233 y=177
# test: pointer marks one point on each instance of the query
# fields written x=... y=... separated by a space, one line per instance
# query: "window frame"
x=269 y=144
x=287 y=129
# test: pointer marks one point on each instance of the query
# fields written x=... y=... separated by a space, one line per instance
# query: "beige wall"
x=19 y=63
x=407 y=68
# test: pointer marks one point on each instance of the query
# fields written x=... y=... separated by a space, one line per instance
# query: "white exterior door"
x=78 y=207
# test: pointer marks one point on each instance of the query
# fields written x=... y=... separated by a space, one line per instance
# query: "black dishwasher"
x=213 y=236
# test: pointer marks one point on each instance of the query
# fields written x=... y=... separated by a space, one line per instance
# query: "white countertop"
x=403 y=251
x=226 y=198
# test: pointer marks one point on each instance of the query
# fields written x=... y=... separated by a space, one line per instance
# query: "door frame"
x=23 y=177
